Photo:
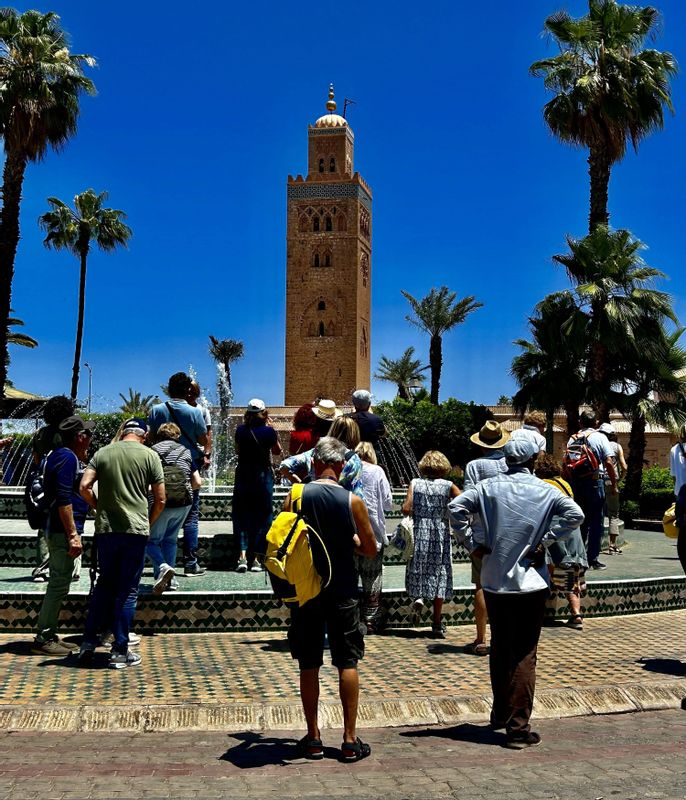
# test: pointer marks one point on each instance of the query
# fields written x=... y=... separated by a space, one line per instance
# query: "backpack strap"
x=296 y=498
x=176 y=420
x=563 y=488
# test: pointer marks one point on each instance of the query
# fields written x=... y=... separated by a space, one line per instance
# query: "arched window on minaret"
x=315 y=224
x=327 y=259
x=315 y=261
x=321 y=165
x=329 y=224
x=321 y=306
x=332 y=164
x=330 y=331
x=321 y=329
x=342 y=223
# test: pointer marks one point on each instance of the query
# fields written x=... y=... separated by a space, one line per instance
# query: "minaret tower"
x=328 y=269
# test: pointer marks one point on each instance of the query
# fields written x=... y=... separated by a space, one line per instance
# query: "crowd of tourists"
x=525 y=525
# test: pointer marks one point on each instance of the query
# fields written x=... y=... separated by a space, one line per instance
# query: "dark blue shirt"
x=253 y=446
x=62 y=478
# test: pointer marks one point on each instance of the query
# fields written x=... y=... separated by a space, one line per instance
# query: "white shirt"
x=677 y=466
x=378 y=499
x=532 y=433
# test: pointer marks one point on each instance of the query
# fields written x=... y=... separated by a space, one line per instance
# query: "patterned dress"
x=430 y=570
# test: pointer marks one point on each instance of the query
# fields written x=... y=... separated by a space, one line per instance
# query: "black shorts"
x=340 y=619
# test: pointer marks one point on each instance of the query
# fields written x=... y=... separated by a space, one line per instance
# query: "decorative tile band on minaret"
x=328 y=268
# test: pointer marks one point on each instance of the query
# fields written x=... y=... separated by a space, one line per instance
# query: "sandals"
x=310 y=748
x=355 y=751
x=613 y=550
x=477 y=649
x=576 y=622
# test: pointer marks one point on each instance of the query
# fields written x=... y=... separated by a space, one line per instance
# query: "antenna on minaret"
x=347 y=102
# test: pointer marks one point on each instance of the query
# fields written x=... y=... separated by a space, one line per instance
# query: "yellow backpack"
x=297 y=559
x=669 y=523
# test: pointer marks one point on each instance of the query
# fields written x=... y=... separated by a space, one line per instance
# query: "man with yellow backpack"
x=341 y=522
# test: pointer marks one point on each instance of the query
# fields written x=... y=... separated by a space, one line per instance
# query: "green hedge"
x=657 y=494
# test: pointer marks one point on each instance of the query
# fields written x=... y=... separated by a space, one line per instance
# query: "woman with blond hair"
x=379 y=501
x=429 y=574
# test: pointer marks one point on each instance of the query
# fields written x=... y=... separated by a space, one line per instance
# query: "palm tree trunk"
x=12 y=182
x=403 y=394
x=572 y=414
x=79 y=325
x=598 y=389
x=599 y=174
x=637 y=448
x=435 y=362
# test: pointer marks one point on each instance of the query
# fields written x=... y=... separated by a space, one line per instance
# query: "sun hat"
x=519 y=451
x=255 y=406
x=75 y=424
x=606 y=427
x=492 y=435
x=326 y=409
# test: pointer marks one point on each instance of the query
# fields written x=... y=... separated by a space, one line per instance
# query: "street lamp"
x=90 y=383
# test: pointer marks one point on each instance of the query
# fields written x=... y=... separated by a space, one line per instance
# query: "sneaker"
x=86 y=653
x=522 y=740
x=256 y=567
x=173 y=586
x=123 y=660
x=163 y=579
x=495 y=723
x=194 y=572
x=439 y=631
x=242 y=565
x=576 y=622
x=417 y=609
x=40 y=577
x=134 y=639
x=597 y=565
x=67 y=645
x=52 y=647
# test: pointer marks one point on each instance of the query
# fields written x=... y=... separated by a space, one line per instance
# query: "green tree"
x=20 y=339
x=135 y=405
x=609 y=91
x=611 y=303
x=405 y=372
x=504 y=400
x=436 y=314
x=76 y=230
x=225 y=352
x=549 y=370
x=654 y=392
x=40 y=86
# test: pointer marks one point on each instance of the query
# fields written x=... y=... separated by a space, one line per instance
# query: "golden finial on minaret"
x=331 y=103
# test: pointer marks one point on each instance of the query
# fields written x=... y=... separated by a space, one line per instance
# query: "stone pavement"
x=622 y=757
x=248 y=681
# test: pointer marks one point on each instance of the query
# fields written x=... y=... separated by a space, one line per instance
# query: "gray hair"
x=362 y=399
x=329 y=451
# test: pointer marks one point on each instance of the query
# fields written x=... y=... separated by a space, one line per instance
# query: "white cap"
x=606 y=428
x=256 y=405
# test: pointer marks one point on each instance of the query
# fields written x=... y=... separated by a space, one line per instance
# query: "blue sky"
x=202 y=114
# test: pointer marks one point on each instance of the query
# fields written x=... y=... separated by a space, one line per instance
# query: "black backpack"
x=36 y=502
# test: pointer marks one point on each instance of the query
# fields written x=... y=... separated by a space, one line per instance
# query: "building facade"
x=328 y=269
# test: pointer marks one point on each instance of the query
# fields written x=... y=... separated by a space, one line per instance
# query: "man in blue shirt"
x=191 y=421
x=68 y=512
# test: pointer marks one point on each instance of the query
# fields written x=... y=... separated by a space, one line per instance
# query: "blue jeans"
x=190 y=532
x=120 y=560
x=590 y=495
x=161 y=547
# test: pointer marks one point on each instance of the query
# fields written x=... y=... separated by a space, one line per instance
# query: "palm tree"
x=654 y=393
x=75 y=229
x=609 y=91
x=225 y=352
x=612 y=301
x=549 y=370
x=135 y=405
x=436 y=314
x=40 y=86
x=21 y=339
x=405 y=372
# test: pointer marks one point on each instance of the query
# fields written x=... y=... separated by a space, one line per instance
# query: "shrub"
x=629 y=511
x=656 y=478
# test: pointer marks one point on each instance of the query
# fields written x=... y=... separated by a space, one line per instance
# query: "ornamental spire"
x=331 y=103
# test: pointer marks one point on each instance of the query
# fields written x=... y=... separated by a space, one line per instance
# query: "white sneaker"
x=134 y=639
x=123 y=660
x=163 y=579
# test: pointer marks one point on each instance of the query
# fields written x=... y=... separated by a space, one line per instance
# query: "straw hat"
x=326 y=409
x=491 y=435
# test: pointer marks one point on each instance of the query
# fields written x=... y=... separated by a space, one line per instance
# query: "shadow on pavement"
x=478 y=734
x=666 y=666
x=269 y=645
x=255 y=751
x=405 y=633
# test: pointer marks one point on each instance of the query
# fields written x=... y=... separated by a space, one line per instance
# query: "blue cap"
x=519 y=451
x=134 y=425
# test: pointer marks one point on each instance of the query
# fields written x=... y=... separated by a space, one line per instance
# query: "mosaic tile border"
x=194 y=612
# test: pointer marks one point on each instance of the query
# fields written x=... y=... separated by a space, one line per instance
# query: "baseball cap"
x=256 y=405
x=75 y=424
x=134 y=425
x=519 y=451
x=606 y=427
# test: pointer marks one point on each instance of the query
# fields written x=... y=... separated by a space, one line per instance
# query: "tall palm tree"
x=654 y=393
x=405 y=372
x=40 y=86
x=21 y=339
x=550 y=371
x=225 y=352
x=136 y=405
x=436 y=314
x=612 y=302
x=609 y=91
x=77 y=229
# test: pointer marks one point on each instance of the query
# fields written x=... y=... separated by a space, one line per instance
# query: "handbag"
x=403 y=538
x=669 y=523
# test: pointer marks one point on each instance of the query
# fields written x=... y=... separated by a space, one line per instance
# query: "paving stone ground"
x=611 y=757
